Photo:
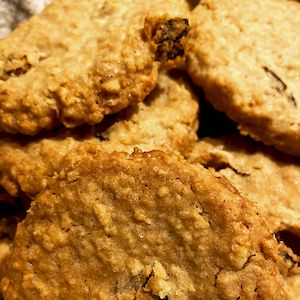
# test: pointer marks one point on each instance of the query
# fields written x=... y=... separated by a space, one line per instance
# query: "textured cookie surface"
x=80 y=60
x=294 y=288
x=248 y=64
x=260 y=174
x=269 y=179
x=144 y=226
x=166 y=120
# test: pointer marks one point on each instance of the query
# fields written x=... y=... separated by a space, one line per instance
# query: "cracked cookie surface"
x=167 y=120
x=78 y=61
x=269 y=179
x=145 y=225
x=260 y=174
x=248 y=65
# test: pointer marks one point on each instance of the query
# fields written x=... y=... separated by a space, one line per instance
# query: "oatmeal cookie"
x=271 y=181
x=82 y=59
x=294 y=288
x=167 y=119
x=260 y=174
x=248 y=64
x=141 y=226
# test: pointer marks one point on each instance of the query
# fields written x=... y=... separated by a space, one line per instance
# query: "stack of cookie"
x=148 y=150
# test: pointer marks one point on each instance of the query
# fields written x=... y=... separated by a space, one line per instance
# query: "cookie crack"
x=248 y=261
x=222 y=165
x=280 y=86
x=16 y=71
x=148 y=278
x=216 y=277
x=287 y=256
x=144 y=286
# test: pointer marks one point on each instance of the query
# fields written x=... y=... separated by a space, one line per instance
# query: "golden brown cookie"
x=167 y=120
x=82 y=59
x=294 y=288
x=269 y=179
x=260 y=173
x=141 y=226
x=245 y=55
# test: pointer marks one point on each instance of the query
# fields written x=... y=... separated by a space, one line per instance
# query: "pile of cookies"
x=150 y=150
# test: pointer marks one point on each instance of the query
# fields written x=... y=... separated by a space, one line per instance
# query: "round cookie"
x=141 y=226
x=248 y=65
x=82 y=59
x=260 y=174
x=267 y=178
x=167 y=119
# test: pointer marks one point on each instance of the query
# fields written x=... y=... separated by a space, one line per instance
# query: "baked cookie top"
x=269 y=179
x=245 y=55
x=166 y=120
x=80 y=60
x=294 y=288
x=260 y=174
x=141 y=226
